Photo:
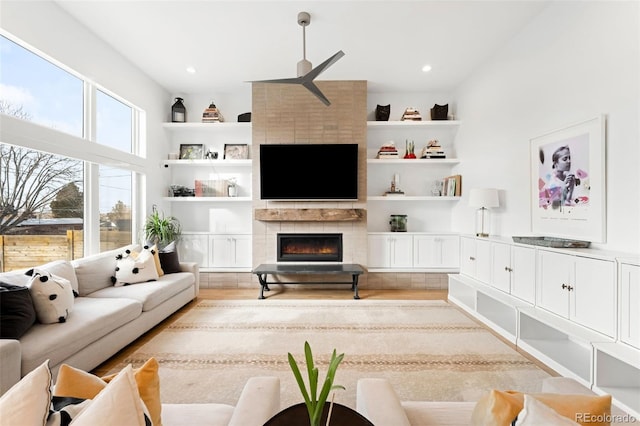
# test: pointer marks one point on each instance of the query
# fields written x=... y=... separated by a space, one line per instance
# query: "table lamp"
x=483 y=198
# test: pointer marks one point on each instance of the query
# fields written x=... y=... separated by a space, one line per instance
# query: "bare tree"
x=30 y=180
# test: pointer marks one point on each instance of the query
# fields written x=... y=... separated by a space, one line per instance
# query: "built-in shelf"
x=410 y=198
x=207 y=126
x=208 y=199
x=208 y=163
x=617 y=372
x=407 y=123
x=416 y=161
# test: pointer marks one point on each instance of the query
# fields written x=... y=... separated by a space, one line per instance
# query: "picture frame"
x=236 y=151
x=567 y=182
x=452 y=186
x=191 y=151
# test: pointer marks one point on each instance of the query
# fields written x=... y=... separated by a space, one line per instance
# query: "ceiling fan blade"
x=295 y=80
x=310 y=85
x=311 y=75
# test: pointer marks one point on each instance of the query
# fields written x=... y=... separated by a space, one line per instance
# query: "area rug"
x=429 y=350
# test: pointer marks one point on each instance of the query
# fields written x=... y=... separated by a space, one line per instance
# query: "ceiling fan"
x=306 y=74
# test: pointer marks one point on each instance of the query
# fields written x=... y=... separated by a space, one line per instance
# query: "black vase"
x=383 y=112
x=439 y=112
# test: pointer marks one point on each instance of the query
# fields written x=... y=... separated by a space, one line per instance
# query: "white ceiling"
x=232 y=42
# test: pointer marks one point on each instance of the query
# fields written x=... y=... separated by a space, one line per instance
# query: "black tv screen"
x=309 y=172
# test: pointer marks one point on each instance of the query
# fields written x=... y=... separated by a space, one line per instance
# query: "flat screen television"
x=313 y=172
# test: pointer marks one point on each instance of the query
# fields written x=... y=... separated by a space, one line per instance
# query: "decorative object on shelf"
x=436 y=188
x=191 y=151
x=411 y=114
x=484 y=199
x=232 y=187
x=173 y=156
x=452 y=186
x=306 y=74
x=552 y=242
x=395 y=186
x=439 y=112
x=178 y=112
x=211 y=114
x=388 y=151
x=236 y=151
x=211 y=155
x=398 y=223
x=210 y=188
x=409 y=149
x=315 y=402
x=161 y=230
x=244 y=117
x=433 y=150
x=383 y=112
x=567 y=182
x=181 y=191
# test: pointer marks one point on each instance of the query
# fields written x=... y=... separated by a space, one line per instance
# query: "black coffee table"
x=265 y=269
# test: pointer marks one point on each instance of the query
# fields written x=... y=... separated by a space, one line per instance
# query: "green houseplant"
x=315 y=403
x=160 y=229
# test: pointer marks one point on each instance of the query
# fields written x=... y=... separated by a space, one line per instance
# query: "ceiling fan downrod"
x=304 y=66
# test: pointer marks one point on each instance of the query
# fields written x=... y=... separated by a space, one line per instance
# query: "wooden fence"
x=26 y=251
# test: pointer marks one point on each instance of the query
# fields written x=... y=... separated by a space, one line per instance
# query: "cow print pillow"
x=52 y=296
x=133 y=268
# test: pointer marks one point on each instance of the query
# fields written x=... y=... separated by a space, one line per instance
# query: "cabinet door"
x=483 y=261
x=241 y=250
x=523 y=273
x=194 y=248
x=501 y=266
x=630 y=304
x=436 y=251
x=401 y=251
x=379 y=251
x=468 y=256
x=554 y=279
x=593 y=298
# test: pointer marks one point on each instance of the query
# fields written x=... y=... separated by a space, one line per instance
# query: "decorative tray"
x=552 y=242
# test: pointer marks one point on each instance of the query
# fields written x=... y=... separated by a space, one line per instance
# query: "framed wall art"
x=191 y=151
x=568 y=182
x=236 y=151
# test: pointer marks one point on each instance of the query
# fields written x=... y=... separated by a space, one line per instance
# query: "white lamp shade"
x=483 y=197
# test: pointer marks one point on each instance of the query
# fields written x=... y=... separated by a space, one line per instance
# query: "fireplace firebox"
x=309 y=247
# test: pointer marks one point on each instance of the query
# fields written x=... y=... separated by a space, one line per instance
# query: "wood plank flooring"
x=288 y=293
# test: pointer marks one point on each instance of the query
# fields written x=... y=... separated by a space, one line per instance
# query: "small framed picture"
x=191 y=151
x=236 y=151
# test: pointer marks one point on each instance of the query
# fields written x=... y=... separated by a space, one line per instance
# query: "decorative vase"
x=383 y=112
x=178 y=112
x=439 y=112
x=296 y=415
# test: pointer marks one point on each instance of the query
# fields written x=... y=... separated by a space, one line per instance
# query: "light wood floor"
x=288 y=293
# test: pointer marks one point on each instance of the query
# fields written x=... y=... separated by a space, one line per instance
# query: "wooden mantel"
x=309 y=215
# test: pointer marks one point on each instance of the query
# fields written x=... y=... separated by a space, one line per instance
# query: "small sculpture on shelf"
x=409 y=150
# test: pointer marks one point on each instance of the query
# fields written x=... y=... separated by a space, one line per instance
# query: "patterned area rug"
x=429 y=350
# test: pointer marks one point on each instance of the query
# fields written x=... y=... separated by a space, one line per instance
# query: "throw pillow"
x=169 y=259
x=72 y=382
x=65 y=409
x=28 y=401
x=132 y=269
x=156 y=257
x=535 y=413
x=502 y=407
x=117 y=404
x=64 y=269
x=52 y=296
x=17 y=313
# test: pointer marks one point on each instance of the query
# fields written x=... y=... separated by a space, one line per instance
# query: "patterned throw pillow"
x=133 y=268
x=52 y=296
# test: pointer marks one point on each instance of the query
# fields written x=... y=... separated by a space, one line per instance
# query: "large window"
x=51 y=186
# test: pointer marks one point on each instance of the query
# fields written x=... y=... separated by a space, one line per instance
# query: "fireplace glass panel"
x=310 y=247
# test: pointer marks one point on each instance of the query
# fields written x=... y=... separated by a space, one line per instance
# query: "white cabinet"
x=475 y=258
x=513 y=270
x=194 y=248
x=630 y=304
x=578 y=288
x=390 y=251
x=230 y=251
x=436 y=251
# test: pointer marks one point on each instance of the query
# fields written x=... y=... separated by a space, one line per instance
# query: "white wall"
x=52 y=31
x=575 y=61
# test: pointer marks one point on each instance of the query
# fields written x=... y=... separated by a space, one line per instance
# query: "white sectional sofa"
x=104 y=318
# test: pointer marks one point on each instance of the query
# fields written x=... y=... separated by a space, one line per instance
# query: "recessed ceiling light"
x=426 y=68
x=191 y=70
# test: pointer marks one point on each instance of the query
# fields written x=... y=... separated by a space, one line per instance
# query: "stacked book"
x=388 y=151
x=212 y=115
x=433 y=150
x=411 y=114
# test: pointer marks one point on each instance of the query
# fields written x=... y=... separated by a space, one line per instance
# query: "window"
x=115 y=207
x=113 y=122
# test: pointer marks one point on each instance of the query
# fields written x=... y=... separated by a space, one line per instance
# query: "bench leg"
x=354 y=286
x=263 y=285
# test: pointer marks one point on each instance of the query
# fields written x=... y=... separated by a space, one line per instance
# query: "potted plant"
x=160 y=229
x=315 y=402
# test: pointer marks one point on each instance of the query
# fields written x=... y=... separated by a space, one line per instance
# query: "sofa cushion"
x=198 y=414
x=95 y=272
x=27 y=402
x=17 y=313
x=535 y=413
x=52 y=296
x=135 y=267
x=92 y=319
x=150 y=294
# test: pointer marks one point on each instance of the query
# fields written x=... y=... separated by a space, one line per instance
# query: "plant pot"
x=297 y=415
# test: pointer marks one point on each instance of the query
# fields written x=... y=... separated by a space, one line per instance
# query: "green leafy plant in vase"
x=315 y=402
x=160 y=229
